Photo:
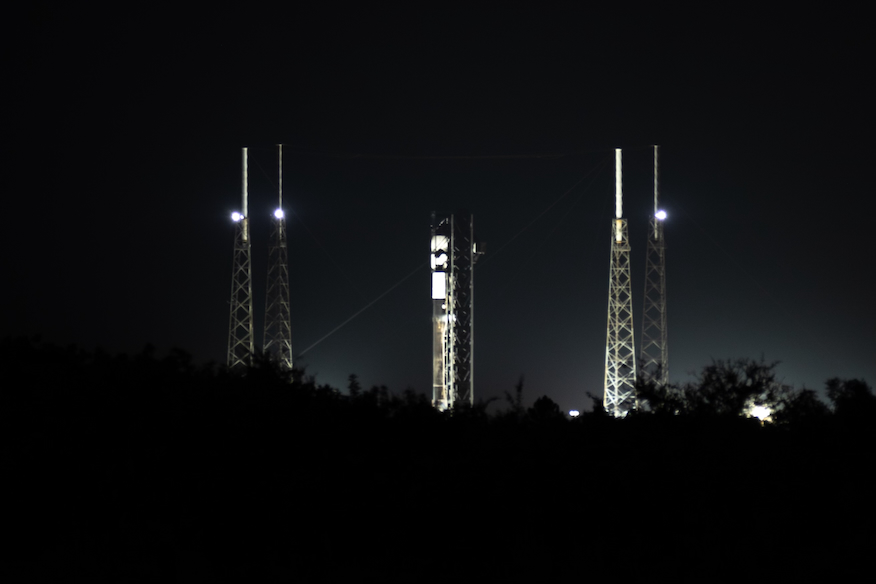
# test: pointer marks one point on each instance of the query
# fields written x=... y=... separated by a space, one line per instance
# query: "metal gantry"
x=240 y=327
x=654 y=357
x=278 y=322
x=620 y=363
x=454 y=253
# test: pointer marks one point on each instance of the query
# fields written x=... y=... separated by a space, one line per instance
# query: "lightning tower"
x=654 y=357
x=278 y=327
x=240 y=327
x=620 y=363
x=454 y=253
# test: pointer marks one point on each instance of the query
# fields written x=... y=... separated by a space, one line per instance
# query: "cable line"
x=540 y=215
x=549 y=155
x=363 y=309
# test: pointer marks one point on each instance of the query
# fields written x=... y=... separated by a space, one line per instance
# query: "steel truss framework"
x=454 y=253
x=654 y=357
x=240 y=328
x=620 y=360
x=278 y=327
x=278 y=319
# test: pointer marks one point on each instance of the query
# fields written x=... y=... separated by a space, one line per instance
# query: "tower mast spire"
x=278 y=322
x=620 y=365
x=655 y=347
x=240 y=326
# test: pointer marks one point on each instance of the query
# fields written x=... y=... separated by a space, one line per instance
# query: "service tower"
x=240 y=327
x=454 y=253
x=620 y=361
x=278 y=321
x=654 y=356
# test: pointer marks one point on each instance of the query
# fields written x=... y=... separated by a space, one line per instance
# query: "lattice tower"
x=620 y=363
x=454 y=253
x=654 y=356
x=240 y=327
x=278 y=321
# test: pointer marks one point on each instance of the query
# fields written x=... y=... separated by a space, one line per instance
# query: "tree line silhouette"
x=141 y=468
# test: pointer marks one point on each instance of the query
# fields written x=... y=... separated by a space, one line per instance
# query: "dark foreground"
x=146 y=469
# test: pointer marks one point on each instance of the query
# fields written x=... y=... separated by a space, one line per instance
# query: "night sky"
x=123 y=144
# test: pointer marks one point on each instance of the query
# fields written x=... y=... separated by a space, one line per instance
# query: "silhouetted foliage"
x=852 y=399
x=354 y=387
x=801 y=408
x=515 y=402
x=545 y=409
x=598 y=409
x=139 y=467
x=723 y=388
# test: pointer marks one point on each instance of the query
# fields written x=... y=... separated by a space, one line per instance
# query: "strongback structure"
x=240 y=327
x=278 y=326
x=654 y=357
x=620 y=362
x=454 y=253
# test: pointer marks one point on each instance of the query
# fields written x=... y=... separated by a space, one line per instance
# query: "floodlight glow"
x=278 y=213
x=760 y=412
x=236 y=216
x=661 y=215
x=574 y=413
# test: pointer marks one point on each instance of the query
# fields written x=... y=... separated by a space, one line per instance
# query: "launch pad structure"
x=619 y=395
x=454 y=253
x=240 y=326
x=277 y=332
x=278 y=320
x=654 y=355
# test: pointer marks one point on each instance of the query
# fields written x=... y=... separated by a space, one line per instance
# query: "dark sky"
x=122 y=156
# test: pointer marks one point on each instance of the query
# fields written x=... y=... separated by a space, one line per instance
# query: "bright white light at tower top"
x=236 y=216
x=661 y=214
x=278 y=213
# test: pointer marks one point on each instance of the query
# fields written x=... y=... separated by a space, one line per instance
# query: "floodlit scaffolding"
x=240 y=326
x=654 y=357
x=620 y=363
x=454 y=253
x=278 y=322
